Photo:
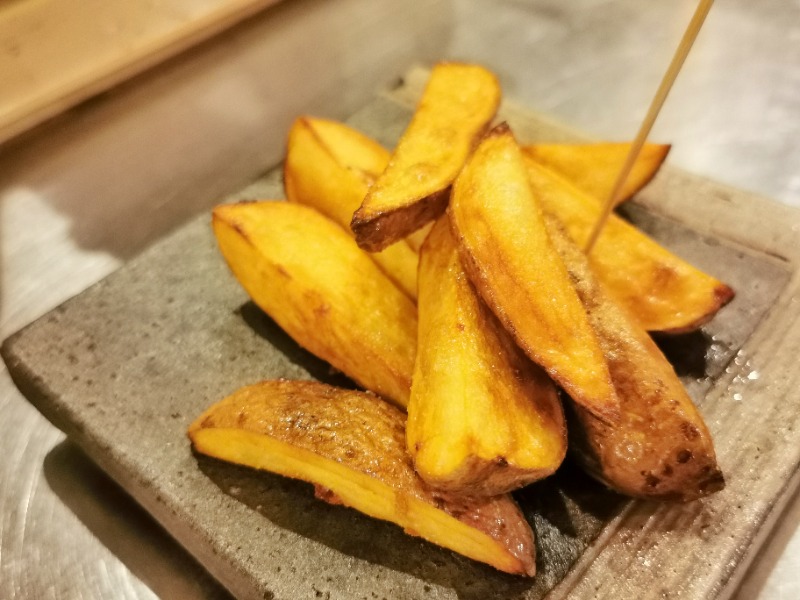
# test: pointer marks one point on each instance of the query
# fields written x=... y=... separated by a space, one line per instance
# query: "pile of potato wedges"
x=447 y=279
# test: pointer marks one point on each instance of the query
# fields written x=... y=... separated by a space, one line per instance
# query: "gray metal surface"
x=83 y=194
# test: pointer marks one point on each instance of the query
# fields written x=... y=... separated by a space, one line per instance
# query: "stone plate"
x=124 y=368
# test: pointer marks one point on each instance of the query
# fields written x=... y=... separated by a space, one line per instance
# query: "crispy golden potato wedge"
x=594 y=168
x=509 y=258
x=482 y=419
x=660 y=448
x=363 y=155
x=351 y=446
x=315 y=175
x=350 y=147
x=664 y=293
x=456 y=107
x=307 y=273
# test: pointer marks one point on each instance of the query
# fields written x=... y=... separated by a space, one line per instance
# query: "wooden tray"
x=124 y=368
x=56 y=54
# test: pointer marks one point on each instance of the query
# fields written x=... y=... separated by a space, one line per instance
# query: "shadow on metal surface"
x=125 y=528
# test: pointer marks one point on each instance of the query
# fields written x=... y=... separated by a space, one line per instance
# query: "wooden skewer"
x=655 y=107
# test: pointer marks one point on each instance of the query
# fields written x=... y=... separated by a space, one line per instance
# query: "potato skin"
x=376 y=229
x=482 y=419
x=660 y=448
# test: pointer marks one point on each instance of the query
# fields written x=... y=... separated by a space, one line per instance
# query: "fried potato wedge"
x=416 y=239
x=363 y=155
x=594 y=168
x=307 y=273
x=458 y=103
x=483 y=419
x=350 y=147
x=660 y=448
x=664 y=292
x=506 y=252
x=315 y=175
x=351 y=446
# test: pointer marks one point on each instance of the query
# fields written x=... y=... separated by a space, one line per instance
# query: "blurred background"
x=120 y=120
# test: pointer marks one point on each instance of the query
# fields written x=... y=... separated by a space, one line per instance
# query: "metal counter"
x=84 y=192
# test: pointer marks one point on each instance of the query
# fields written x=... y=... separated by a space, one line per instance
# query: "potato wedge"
x=457 y=106
x=363 y=155
x=416 y=239
x=315 y=175
x=350 y=147
x=351 y=446
x=482 y=419
x=660 y=448
x=664 y=292
x=594 y=168
x=307 y=273
x=509 y=258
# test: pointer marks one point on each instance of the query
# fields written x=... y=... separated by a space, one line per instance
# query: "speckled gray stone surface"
x=126 y=366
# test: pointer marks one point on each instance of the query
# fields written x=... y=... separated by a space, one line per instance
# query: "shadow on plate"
x=258 y=321
x=688 y=352
x=567 y=512
x=291 y=505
